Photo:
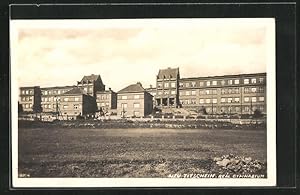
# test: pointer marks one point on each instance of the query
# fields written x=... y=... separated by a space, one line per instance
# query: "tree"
x=20 y=108
x=37 y=108
x=203 y=110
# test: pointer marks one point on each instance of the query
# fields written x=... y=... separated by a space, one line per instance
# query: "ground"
x=131 y=152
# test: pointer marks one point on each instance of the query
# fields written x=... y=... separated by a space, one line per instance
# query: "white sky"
x=61 y=52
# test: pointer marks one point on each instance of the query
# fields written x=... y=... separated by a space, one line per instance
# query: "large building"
x=51 y=97
x=76 y=103
x=29 y=98
x=167 y=82
x=242 y=94
x=91 y=84
x=134 y=101
x=106 y=100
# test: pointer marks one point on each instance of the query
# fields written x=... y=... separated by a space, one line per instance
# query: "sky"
x=57 y=53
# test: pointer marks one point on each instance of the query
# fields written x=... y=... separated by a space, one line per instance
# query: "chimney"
x=109 y=89
x=150 y=86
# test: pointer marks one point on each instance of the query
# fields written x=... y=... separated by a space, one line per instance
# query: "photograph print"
x=143 y=102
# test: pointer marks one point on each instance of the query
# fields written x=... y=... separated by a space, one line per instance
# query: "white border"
x=15 y=25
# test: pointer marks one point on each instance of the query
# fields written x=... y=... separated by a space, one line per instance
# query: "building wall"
x=134 y=104
x=29 y=96
x=236 y=94
x=106 y=100
x=167 y=90
x=90 y=88
x=71 y=105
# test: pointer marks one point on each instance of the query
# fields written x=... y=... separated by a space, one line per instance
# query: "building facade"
x=51 y=97
x=29 y=98
x=134 y=101
x=91 y=84
x=106 y=100
x=76 y=103
x=241 y=94
x=167 y=82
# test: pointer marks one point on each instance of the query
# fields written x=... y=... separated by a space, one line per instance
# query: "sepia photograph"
x=143 y=102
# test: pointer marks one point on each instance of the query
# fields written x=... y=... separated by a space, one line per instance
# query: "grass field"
x=131 y=152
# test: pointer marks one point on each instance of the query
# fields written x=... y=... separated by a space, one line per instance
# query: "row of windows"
x=27 y=105
x=235 y=109
x=66 y=99
x=166 y=85
x=254 y=90
x=103 y=104
x=27 y=92
x=223 y=82
x=173 y=92
x=223 y=100
x=135 y=105
x=26 y=98
x=103 y=97
x=75 y=106
x=125 y=97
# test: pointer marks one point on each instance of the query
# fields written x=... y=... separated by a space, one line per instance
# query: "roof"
x=168 y=73
x=74 y=91
x=133 y=88
x=57 y=87
x=224 y=76
x=90 y=78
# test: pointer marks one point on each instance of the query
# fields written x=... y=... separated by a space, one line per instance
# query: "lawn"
x=131 y=152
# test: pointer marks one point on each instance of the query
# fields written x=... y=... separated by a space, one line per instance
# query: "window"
x=229 y=100
x=166 y=92
x=158 y=85
x=30 y=105
x=193 y=84
x=90 y=89
x=30 y=92
x=75 y=106
x=236 y=99
x=193 y=92
x=253 y=80
x=207 y=83
x=193 y=101
x=202 y=92
x=106 y=104
x=246 y=99
x=166 y=85
x=102 y=104
x=173 y=92
x=223 y=82
x=246 y=108
x=253 y=89
x=207 y=92
x=124 y=105
x=65 y=106
x=236 y=81
x=187 y=84
x=50 y=92
x=253 y=99
x=23 y=92
x=214 y=82
x=136 y=96
x=261 y=99
x=124 y=97
x=49 y=105
x=261 y=80
x=46 y=92
x=180 y=84
x=160 y=92
x=214 y=91
x=136 y=105
x=261 y=90
x=98 y=104
x=136 y=113
x=223 y=100
x=27 y=92
x=23 y=99
x=76 y=99
x=187 y=93
x=261 y=108
x=215 y=100
x=207 y=101
x=66 y=99
x=85 y=89
x=201 y=101
x=246 y=90
x=173 y=84
x=58 y=92
x=229 y=82
x=246 y=81
x=201 y=84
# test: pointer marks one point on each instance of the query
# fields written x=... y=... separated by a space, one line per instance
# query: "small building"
x=91 y=84
x=30 y=98
x=134 y=101
x=106 y=100
x=76 y=103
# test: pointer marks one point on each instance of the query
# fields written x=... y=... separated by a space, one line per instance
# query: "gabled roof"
x=91 y=78
x=133 y=88
x=74 y=91
x=168 y=73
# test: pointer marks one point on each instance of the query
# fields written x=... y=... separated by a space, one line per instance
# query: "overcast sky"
x=57 y=53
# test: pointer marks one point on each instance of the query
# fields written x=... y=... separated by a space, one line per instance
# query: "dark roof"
x=91 y=77
x=74 y=91
x=224 y=76
x=168 y=73
x=133 y=88
x=57 y=87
